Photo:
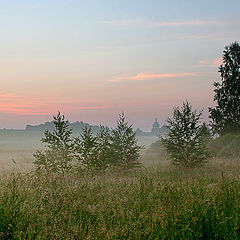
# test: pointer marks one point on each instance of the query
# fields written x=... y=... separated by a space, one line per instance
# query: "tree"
x=124 y=150
x=86 y=148
x=59 y=154
x=185 y=139
x=104 y=147
x=226 y=115
x=94 y=152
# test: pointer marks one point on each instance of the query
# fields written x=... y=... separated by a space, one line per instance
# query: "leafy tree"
x=124 y=149
x=226 y=115
x=59 y=154
x=93 y=151
x=185 y=138
x=104 y=147
x=86 y=148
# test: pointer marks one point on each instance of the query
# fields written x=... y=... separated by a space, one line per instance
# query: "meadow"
x=158 y=201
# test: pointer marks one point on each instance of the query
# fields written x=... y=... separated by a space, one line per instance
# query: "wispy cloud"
x=210 y=62
x=148 y=23
x=149 y=76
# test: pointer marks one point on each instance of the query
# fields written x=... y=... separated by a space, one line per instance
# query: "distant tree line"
x=76 y=127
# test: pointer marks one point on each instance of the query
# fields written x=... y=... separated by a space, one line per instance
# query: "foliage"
x=206 y=132
x=123 y=145
x=116 y=148
x=104 y=147
x=85 y=147
x=185 y=140
x=59 y=154
x=159 y=203
x=226 y=146
x=92 y=150
x=226 y=115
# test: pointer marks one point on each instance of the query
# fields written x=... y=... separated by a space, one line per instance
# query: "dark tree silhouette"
x=226 y=115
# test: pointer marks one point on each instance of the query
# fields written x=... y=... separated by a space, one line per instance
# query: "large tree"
x=226 y=115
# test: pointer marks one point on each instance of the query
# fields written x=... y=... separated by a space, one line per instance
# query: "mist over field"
x=18 y=146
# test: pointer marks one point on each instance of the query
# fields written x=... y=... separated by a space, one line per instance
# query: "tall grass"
x=159 y=203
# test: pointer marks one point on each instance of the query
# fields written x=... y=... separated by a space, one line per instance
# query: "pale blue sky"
x=94 y=59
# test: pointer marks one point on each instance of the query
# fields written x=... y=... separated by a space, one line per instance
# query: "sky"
x=95 y=59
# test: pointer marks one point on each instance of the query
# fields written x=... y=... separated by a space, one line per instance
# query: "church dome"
x=156 y=123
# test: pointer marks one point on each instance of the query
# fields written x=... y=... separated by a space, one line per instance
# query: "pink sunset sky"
x=92 y=60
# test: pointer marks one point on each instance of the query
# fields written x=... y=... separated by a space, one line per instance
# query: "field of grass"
x=157 y=201
x=160 y=202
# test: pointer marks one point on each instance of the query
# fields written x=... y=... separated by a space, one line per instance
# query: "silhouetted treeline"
x=75 y=126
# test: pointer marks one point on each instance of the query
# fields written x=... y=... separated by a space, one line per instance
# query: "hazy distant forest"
x=102 y=184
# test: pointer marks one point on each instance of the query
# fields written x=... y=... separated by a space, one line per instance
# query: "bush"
x=185 y=141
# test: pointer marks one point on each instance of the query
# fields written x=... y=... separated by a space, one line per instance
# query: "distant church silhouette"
x=156 y=128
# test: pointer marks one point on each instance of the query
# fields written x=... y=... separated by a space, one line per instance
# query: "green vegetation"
x=185 y=140
x=159 y=203
x=115 y=148
x=93 y=151
x=59 y=154
x=226 y=115
x=226 y=146
x=124 y=149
